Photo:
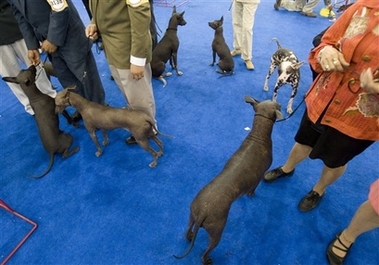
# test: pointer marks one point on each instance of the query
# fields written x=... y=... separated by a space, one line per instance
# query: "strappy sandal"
x=332 y=257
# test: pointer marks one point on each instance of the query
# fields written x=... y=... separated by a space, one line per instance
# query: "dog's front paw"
x=179 y=73
x=289 y=110
x=265 y=88
x=211 y=64
x=99 y=153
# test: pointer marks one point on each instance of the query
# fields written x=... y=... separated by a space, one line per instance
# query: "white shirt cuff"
x=137 y=61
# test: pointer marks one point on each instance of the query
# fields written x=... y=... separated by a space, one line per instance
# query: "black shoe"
x=310 y=201
x=331 y=256
x=278 y=172
x=277 y=4
x=130 y=140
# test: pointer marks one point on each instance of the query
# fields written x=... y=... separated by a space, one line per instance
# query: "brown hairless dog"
x=240 y=175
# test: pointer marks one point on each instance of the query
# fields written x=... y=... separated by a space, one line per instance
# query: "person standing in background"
x=124 y=27
x=57 y=29
x=13 y=49
x=243 y=16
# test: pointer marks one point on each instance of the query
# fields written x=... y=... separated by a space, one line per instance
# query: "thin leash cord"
x=42 y=65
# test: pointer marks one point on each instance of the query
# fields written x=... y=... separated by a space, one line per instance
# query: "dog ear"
x=222 y=19
x=279 y=114
x=174 y=10
x=253 y=102
x=72 y=87
x=297 y=65
x=10 y=79
x=182 y=14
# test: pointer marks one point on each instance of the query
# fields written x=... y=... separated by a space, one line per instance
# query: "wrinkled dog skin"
x=97 y=116
x=241 y=175
x=288 y=72
x=53 y=140
x=167 y=49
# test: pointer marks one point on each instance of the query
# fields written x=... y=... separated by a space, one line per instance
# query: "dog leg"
x=105 y=137
x=158 y=142
x=92 y=133
x=290 y=102
x=214 y=58
x=270 y=71
x=174 y=63
x=214 y=239
x=144 y=143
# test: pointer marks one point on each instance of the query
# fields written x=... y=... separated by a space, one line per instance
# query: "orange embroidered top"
x=349 y=108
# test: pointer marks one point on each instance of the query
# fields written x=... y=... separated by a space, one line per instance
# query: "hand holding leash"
x=91 y=32
x=48 y=47
x=331 y=59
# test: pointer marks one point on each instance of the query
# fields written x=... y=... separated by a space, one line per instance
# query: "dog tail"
x=48 y=168
x=277 y=43
x=162 y=80
x=196 y=229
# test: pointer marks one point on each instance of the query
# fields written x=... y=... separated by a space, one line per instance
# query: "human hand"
x=331 y=59
x=33 y=56
x=137 y=72
x=368 y=82
x=48 y=47
x=91 y=32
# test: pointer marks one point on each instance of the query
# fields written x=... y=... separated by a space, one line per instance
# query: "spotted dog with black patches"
x=288 y=72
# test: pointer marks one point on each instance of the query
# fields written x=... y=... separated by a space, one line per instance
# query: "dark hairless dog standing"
x=240 y=175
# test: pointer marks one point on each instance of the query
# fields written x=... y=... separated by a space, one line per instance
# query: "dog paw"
x=265 y=88
x=289 y=110
x=180 y=73
x=168 y=74
x=99 y=153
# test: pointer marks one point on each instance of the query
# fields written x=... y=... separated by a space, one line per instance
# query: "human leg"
x=138 y=94
x=365 y=219
x=9 y=66
x=309 y=7
x=291 y=5
x=248 y=18
x=237 y=27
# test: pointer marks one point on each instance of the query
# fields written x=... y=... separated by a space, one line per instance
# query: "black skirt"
x=334 y=148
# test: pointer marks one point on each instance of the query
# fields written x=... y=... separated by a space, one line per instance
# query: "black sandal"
x=333 y=258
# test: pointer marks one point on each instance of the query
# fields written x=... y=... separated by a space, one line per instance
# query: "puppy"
x=288 y=72
x=167 y=49
x=219 y=47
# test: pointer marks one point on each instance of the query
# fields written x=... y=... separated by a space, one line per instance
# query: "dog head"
x=177 y=18
x=62 y=100
x=216 y=23
x=25 y=78
x=267 y=108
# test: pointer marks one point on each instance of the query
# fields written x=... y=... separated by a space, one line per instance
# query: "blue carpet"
x=116 y=210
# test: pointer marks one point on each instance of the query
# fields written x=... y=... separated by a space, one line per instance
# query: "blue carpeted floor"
x=116 y=210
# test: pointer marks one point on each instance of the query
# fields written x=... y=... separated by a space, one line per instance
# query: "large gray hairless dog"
x=97 y=116
x=240 y=175
x=52 y=138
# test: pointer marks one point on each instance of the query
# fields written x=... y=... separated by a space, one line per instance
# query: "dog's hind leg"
x=159 y=143
x=214 y=239
x=105 y=137
x=144 y=143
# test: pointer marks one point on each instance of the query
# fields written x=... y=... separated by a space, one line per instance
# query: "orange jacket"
x=349 y=108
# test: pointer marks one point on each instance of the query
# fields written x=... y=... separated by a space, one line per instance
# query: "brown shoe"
x=249 y=65
x=235 y=52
